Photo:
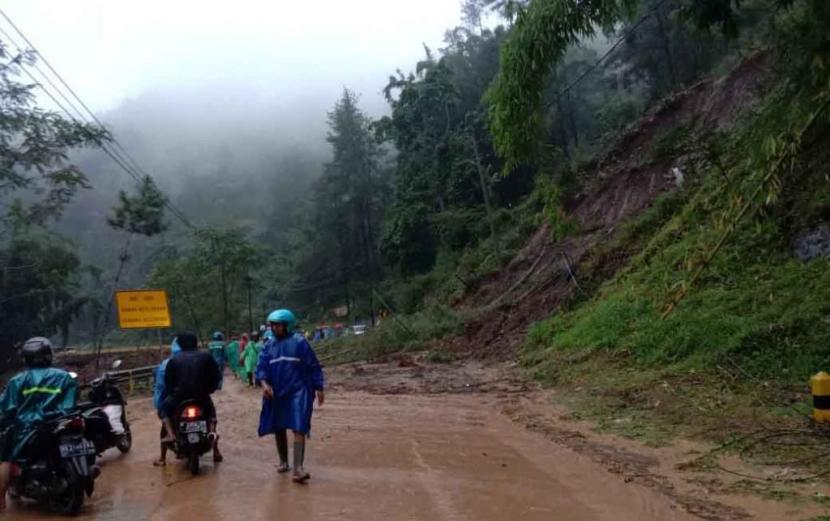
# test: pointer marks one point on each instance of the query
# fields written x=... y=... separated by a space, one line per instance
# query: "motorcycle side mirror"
x=73 y=374
x=116 y=364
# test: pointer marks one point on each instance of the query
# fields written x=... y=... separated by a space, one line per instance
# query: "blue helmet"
x=285 y=316
x=218 y=335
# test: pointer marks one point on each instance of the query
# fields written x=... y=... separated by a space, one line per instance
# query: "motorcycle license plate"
x=188 y=427
x=81 y=448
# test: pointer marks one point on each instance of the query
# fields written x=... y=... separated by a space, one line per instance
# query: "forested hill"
x=625 y=174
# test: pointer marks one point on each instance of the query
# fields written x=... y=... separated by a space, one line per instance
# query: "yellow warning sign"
x=142 y=308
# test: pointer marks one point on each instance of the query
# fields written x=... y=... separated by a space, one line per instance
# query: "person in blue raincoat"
x=217 y=351
x=291 y=377
x=27 y=399
x=159 y=396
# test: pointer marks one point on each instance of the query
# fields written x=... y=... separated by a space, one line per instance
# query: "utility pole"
x=123 y=258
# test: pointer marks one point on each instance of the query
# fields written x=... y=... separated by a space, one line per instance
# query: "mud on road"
x=396 y=441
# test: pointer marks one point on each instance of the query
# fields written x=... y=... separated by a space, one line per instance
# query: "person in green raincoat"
x=27 y=399
x=232 y=356
x=250 y=357
x=243 y=343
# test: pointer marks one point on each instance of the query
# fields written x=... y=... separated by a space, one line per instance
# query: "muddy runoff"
x=372 y=457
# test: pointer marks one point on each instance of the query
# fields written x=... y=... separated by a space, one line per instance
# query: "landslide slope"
x=649 y=163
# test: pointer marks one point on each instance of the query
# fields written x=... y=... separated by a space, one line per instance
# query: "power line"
x=124 y=159
x=80 y=116
x=64 y=83
x=608 y=53
x=34 y=65
x=72 y=117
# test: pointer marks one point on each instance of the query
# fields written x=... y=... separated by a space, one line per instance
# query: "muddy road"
x=372 y=457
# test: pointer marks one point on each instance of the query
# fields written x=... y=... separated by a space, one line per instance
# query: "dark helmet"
x=187 y=341
x=218 y=335
x=37 y=352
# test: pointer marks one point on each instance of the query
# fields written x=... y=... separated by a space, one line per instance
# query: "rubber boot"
x=217 y=455
x=282 y=451
x=300 y=475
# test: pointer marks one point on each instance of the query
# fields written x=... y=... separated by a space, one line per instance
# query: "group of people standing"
x=284 y=366
x=240 y=354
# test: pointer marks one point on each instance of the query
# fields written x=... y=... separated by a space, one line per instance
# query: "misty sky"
x=273 y=52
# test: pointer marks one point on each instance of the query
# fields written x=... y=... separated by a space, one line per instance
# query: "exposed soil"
x=622 y=185
x=673 y=471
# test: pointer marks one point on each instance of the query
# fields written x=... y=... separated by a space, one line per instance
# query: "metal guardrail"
x=132 y=376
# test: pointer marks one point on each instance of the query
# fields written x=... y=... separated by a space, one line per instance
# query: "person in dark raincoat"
x=27 y=399
x=291 y=377
x=193 y=375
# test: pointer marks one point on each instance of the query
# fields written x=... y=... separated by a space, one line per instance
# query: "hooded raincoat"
x=217 y=351
x=159 y=390
x=243 y=343
x=232 y=356
x=250 y=357
x=27 y=399
x=291 y=368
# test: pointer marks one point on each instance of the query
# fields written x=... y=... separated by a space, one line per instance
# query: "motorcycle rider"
x=27 y=399
x=291 y=377
x=193 y=375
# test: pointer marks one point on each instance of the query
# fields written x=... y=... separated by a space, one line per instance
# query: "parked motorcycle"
x=192 y=437
x=105 y=415
x=56 y=466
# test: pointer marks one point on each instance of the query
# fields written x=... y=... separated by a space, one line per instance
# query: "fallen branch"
x=570 y=271
x=518 y=283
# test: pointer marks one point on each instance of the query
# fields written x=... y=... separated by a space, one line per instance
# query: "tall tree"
x=542 y=35
x=141 y=214
x=348 y=206
x=207 y=282
x=36 y=178
x=445 y=159
x=38 y=271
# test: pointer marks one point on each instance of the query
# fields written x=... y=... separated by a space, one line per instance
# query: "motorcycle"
x=192 y=436
x=56 y=466
x=105 y=415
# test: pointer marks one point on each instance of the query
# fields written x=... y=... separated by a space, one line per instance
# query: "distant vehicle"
x=360 y=329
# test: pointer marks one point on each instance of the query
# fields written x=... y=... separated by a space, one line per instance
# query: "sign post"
x=143 y=309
